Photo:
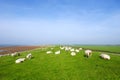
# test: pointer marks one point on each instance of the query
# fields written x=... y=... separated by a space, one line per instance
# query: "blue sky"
x=36 y=22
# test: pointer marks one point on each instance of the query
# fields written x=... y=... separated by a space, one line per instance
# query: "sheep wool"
x=105 y=56
x=29 y=56
x=88 y=53
x=73 y=53
x=77 y=50
x=48 y=52
x=57 y=52
x=20 y=60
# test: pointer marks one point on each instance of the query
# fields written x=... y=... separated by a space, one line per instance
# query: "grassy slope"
x=60 y=67
x=104 y=48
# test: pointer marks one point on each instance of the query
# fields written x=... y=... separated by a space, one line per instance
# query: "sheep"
x=77 y=50
x=29 y=56
x=73 y=53
x=57 y=52
x=105 y=56
x=48 y=52
x=88 y=53
x=20 y=60
x=72 y=49
x=66 y=48
x=80 y=48
x=62 y=48
x=15 y=54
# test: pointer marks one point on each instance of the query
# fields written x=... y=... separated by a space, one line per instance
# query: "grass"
x=114 y=49
x=60 y=67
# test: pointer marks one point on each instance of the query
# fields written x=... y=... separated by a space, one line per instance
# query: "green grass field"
x=113 y=49
x=60 y=67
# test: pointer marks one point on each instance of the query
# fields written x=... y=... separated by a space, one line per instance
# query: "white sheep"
x=48 y=52
x=57 y=52
x=72 y=49
x=73 y=53
x=88 y=53
x=66 y=48
x=62 y=48
x=20 y=60
x=29 y=56
x=80 y=48
x=77 y=50
x=69 y=48
x=105 y=56
x=15 y=54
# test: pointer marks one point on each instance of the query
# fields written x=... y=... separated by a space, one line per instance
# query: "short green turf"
x=60 y=67
x=108 y=48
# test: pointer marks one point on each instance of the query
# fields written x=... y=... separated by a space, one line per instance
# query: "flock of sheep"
x=28 y=56
x=72 y=50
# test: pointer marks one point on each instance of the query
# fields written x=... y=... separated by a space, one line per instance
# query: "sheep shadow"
x=86 y=56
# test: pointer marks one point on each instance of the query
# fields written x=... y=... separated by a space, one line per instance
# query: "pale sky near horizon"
x=35 y=22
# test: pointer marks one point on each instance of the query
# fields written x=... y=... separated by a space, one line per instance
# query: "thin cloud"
x=59 y=22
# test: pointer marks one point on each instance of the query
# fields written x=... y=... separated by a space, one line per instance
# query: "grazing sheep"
x=57 y=52
x=48 y=52
x=88 y=53
x=61 y=48
x=20 y=60
x=105 y=56
x=29 y=56
x=77 y=50
x=80 y=48
x=66 y=48
x=72 y=50
x=73 y=53
x=15 y=54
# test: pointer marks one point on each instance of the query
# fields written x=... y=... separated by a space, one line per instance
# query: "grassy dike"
x=60 y=67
